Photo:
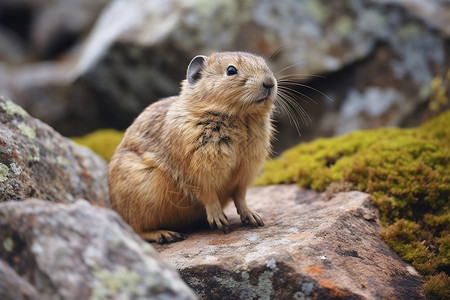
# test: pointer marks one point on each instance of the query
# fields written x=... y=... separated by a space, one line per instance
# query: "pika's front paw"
x=250 y=216
x=215 y=216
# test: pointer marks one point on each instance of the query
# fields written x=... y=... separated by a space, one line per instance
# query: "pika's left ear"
x=195 y=67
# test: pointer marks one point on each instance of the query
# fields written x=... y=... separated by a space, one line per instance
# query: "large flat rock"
x=310 y=248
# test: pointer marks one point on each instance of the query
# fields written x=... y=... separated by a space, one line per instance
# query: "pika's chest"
x=230 y=135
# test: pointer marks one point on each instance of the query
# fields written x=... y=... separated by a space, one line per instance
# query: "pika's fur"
x=185 y=157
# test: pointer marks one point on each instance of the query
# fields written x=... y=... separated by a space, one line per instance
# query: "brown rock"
x=79 y=251
x=36 y=161
x=308 y=249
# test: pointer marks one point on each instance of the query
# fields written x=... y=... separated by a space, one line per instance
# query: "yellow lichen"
x=121 y=283
x=4 y=172
x=343 y=26
x=36 y=156
x=407 y=172
x=26 y=130
x=8 y=244
x=13 y=109
x=103 y=142
x=439 y=91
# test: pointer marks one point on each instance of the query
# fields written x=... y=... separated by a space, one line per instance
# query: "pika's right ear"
x=195 y=67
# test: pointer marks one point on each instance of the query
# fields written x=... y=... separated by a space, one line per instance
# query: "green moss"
x=407 y=172
x=103 y=142
x=438 y=286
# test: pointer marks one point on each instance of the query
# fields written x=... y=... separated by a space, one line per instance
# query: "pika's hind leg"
x=163 y=236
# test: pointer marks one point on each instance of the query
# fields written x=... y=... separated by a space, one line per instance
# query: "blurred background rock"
x=81 y=65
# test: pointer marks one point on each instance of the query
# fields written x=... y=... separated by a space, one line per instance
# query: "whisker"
x=289 y=112
x=287 y=68
x=298 y=93
x=298 y=76
x=297 y=108
x=305 y=86
x=276 y=52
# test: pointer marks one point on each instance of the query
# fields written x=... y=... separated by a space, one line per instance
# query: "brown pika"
x=185 y=157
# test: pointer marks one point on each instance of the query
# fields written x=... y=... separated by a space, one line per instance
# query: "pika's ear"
x=195 y=67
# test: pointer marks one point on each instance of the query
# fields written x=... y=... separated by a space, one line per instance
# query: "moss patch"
x=103 y=142
x=407 y=172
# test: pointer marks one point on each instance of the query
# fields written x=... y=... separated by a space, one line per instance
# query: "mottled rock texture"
x=44 y=29
x=376 y=54
x=78 y=251
x=378 y=58
x=309 y=248
x=36 y=161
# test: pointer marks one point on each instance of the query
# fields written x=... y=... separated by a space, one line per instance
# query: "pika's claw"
x=252 y=217
x=215 y=216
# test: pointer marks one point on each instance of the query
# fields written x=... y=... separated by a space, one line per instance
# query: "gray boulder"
x=36 y=161
x=378 y=57
x=78 y=251
x=44 y=29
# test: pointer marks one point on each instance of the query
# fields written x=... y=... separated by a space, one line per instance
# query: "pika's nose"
x=268 y=83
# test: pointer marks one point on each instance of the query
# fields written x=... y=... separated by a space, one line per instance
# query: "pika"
x=185 y=157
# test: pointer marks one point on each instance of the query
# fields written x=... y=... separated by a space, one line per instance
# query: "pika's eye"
x=231 y=70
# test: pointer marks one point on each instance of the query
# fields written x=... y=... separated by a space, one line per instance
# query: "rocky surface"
x=309 y=249
x=375 y=56
x=78 y=251
x=379 y=51
x=44 y=29
x=36 y=161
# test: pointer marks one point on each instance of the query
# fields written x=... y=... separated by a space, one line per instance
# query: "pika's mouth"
x=262 y=100
x=263 y=96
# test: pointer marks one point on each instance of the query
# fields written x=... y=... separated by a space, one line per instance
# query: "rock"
x=49 y=28
x=36 y=161
x=309 y=248
x=376 y=55
x=47 y=91
x=12 y=49
x=434 y=13
x=80 y=251
x=12 y=286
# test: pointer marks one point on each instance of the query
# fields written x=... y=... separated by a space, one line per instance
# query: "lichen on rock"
x=405 y=170
x=4 y=172
x=13 y=109
x=36 y=161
